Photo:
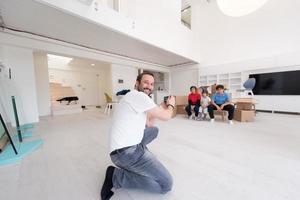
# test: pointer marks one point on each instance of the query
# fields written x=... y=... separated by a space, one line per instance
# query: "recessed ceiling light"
x=55 y=60
x=237 y=8
x=93 y=64
x=64 y=58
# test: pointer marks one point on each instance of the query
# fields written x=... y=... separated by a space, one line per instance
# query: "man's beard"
x=144 y=89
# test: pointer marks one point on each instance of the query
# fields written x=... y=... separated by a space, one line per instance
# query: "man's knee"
x=166 y=184
x=151 y=130
x=150 y=133
x=154 y=131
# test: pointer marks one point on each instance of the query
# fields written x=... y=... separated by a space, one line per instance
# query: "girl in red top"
x=194 y=103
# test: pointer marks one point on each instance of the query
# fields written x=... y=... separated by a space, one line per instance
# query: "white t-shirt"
x=205 y=101
x=129 y=120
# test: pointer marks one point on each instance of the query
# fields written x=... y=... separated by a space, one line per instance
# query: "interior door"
x=90 y=88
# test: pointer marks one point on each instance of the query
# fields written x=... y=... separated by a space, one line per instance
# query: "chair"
x=248 y=85
x=109 y=104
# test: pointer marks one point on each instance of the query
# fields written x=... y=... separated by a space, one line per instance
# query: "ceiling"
x=79 y=62
x=33 y=17
x=55 y=60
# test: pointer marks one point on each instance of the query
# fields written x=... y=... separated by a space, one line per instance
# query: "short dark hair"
x=193 y=87
x=220 y=87
x=140 y=76
x=205 y=92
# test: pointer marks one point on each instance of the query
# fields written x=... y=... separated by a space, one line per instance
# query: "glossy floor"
x=257 y=161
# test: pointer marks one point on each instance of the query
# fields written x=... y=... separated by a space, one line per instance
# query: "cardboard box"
x=244 y=103
x=244 y=115
x=244 y=106
x=244 y=100
x=180 y=109
x=181 y=103
x=174 y=112
x=182 y=100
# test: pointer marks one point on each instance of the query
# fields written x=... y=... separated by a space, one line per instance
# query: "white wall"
x=89 y=87
x=48 y=45
x=126 y=73
x=182 y=80
x=159 y=23
x=273 y=30
x=42 y=83
x=256 y=66
x=20 y=60
x=155 y=22
x=264 y=41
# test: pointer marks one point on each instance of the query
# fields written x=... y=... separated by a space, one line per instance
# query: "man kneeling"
x=137 y=166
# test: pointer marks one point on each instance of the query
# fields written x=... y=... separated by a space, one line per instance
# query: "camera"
x=166 y=99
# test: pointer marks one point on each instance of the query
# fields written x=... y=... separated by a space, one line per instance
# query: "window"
x=113 y=4
x=186 y=13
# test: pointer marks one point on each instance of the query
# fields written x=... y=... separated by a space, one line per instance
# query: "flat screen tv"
x=278 y=83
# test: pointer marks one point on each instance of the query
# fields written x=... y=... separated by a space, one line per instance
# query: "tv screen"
x=278 y=83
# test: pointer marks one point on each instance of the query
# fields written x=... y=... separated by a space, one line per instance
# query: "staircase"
x=58 y=91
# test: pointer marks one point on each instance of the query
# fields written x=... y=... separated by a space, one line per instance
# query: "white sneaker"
x=190 y=117
x=230 y=122
x=212 y=120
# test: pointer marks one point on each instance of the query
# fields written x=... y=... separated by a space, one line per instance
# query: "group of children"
x=198 y=102
x=201 y=103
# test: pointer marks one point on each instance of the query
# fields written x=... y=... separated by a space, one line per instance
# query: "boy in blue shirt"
x=220 y=101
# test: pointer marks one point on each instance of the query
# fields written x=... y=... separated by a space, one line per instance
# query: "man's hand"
x=218 y=108
x=171 y=101
x=163 y=105
x=222 y=107
x=163 y=112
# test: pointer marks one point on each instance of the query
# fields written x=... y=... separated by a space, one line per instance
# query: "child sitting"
x=194 y=103
x=205 y=102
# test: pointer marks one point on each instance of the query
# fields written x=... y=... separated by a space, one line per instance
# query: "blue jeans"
x=139 y=168
x=188 y=109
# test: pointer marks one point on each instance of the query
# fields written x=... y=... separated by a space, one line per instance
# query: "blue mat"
x=26 y=126
x=8 y=156
x=27 y=134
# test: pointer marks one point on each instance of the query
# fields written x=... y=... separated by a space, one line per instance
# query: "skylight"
x=55 y=60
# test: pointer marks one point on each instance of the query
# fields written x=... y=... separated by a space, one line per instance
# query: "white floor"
x=257 y=161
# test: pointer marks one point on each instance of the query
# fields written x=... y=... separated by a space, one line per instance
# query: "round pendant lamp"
x=238 y=8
